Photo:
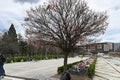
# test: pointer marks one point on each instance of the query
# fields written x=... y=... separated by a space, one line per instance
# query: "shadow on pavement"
x=21 y=77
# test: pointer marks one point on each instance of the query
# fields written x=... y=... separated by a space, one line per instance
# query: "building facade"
x=100 y=47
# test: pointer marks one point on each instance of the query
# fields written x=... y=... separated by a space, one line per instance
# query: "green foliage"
x=8 y=60
x=61 y=68
x=34 y=58
x=12 y=34
x=9 y=42
x=91 y=69
x=16 y=59
x=25 y=58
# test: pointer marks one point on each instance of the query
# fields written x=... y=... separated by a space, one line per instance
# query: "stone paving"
x=35 y=70
x=106 y=70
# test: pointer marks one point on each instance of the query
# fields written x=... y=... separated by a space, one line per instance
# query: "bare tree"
x=64 y=23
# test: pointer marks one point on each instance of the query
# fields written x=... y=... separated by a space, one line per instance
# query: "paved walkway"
x=43 y=70
x=35 y=70
x=106 y=70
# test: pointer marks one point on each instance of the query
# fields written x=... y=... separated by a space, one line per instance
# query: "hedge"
x=32 y=58
x=61 y=68
x=91 y=69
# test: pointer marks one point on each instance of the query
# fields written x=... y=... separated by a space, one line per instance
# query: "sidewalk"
x=36 y=70
x=106 y=71
x=11 y=78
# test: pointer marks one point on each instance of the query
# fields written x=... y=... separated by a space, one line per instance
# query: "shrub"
x=18 y=59
x=25 y=58
x=91 y=69
x=8 y=60
x=61 y=68
x=38 y=57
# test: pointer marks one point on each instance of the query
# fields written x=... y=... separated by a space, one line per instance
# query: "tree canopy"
x=9 y=41
x=64 y=23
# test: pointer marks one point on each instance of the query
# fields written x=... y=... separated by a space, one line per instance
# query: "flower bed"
x=86 y=67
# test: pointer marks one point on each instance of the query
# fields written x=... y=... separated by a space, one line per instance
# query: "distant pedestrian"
x=2 y=61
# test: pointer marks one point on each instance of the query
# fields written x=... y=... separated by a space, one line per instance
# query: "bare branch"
x=65 y=23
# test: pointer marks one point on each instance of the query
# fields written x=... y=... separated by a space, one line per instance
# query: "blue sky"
x=14 y=11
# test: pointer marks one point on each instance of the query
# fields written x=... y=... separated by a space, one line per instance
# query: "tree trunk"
x=65 y=61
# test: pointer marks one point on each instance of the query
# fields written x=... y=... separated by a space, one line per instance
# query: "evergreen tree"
x=5 y=37
x=10 y=42
x=4 y=43
x=12 y=34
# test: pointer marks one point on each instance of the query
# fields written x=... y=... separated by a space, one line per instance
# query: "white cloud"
x=111 y=38
x=103 y=4
x=7 y=20
x=27 y=1
x=112 y=7
x=12 y=12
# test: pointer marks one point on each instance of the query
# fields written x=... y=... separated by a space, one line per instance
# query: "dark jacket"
x=2 y=59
